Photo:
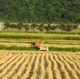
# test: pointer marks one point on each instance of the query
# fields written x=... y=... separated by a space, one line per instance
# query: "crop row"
x=39 y=36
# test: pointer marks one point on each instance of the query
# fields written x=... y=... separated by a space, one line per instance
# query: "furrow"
x=42 y=67
x=64 y=73
x=16 y=67
x=28 y=71
x=3 y=68
x=10 y=67
x=20 y=71
x=69 y=69
x=5 y=59
x=34 y=75
x=56 y=74
x=73 y=65
x=48 y=70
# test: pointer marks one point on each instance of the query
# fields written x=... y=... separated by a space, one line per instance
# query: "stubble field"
x=39 y=65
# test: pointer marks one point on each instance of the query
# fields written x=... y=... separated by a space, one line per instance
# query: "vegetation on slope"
x=40 y=11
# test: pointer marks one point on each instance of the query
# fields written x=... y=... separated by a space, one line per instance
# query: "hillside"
x=67 y=11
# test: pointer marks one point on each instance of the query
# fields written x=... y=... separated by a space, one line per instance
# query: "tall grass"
x=40 y=36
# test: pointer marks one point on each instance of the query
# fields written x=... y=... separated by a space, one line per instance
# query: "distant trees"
x=54 y=27
x=41 y=27
x=34 y=25
x=48 y=27
x=68 y=27
x=20 y=25
x=26 y=26
x=48 y=11
x=7 y=24
x=13 y=26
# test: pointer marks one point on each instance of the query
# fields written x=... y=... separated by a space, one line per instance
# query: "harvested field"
x=44 y=45
x=18 y=60
x=39 y=65
x=49 y=43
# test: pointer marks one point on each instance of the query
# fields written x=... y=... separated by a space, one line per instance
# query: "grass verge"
x=2 y=47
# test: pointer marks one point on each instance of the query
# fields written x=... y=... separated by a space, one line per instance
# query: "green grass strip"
x=2 y=47
x=64 y=49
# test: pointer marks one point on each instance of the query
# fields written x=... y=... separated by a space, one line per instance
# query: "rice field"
x=50 y=43
x=26 y=64
x=39 y=65
x=39 y=35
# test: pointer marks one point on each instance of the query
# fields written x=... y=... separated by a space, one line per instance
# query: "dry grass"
x=25 y=64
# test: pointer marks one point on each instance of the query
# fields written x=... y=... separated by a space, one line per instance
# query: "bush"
x=48 y=28
x=7 y=24
x=34 y=25
x=20 y=25
x=54 y=27
x=41 y=27
x=75 y=26
x=26 y=27
x=62 y=26
x=69 y=27
x=13 y=26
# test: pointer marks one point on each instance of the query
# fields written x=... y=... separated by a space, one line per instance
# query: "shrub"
x=69 y=27
x=75 y=26
x=54 y=27
x=34 y=25
x=7 y=24
x=62 y=26
x=26 y=27
x=13 y=26
x=41 y=26
x=66 y=27
x=20 y=25
x=48 y=28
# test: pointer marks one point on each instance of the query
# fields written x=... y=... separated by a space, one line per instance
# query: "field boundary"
x=35 y=48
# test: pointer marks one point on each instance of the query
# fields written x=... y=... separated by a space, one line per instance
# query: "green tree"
x=34 y=25
x=20 y=25
x=40 y=11
x=7 y=24
x=48 y=27
x=26 y=26
x=13 y=26
x=69 y=27
x=41 y=27
x=75 y=26
x=54 y=27
x=63 y=26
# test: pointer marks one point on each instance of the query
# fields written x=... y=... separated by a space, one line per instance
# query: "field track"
x=39 y=65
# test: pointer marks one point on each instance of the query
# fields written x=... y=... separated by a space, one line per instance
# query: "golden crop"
x=41 y=65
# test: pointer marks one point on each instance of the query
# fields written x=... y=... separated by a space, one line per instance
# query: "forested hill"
x=40 y=10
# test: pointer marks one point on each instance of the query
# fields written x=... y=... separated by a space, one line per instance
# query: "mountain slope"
x=40 y=10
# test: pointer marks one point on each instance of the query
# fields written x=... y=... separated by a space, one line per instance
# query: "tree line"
x=42 y=26
x=35 y=11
